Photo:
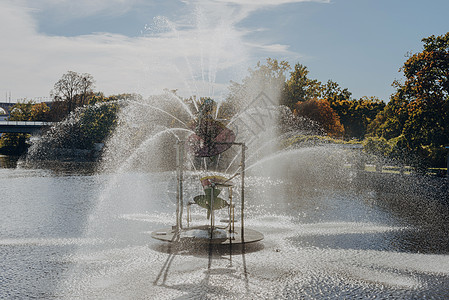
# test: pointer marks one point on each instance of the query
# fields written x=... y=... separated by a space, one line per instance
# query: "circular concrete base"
x=201 y=234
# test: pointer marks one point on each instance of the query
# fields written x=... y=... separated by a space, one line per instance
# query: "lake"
x=71 y=233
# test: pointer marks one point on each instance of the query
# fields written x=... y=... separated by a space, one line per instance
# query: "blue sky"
x=198 y=46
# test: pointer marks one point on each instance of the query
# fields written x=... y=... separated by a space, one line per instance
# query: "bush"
x=377 y=146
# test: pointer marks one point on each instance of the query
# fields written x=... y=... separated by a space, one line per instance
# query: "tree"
x=377 y=146
x=299 y=87
x=320 y=111
x=16 y=143
x=40 y=112
x=331 y=91
x=97 y=122
x=266 y=78
x=73 y=89
x=356 y=115
x=427 y=89
x=21 y=111
x=13 y=143
x=29 y=111
x=389 y=123
x=419 y=110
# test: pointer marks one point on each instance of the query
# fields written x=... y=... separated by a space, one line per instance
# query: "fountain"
x=325 y=234
x=329 y=232
x=210 y=139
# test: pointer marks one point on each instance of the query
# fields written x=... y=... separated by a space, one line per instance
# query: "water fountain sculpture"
x=210 y=138
x=347 y=233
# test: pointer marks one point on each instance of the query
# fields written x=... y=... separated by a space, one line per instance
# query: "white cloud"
x=82 y=8
x=250 y=5
x=198 y=56
x=182 y=59
x=272 y=48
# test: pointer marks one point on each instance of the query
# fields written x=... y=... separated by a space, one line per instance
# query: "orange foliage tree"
x=320 y=111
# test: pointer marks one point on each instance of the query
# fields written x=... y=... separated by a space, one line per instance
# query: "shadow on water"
x=211 y=252
x=428 y=217
x=367 y=212
x=206 y=249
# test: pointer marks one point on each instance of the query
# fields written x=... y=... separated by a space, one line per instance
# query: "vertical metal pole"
x=242 y=196
x=178 y=192
x=179 y=175
x=181 y=181
x=212 y=217
x=231 y=217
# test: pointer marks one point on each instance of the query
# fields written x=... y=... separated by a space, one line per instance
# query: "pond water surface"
x=80 y=235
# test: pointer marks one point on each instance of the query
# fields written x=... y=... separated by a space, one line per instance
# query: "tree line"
x=72 y=94
x=412 y=127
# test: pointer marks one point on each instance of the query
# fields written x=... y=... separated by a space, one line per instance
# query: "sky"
x=197 y=47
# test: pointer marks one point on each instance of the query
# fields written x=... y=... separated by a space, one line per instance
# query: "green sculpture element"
x=205 y=200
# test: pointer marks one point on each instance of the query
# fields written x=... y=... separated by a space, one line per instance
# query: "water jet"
x=210 y=138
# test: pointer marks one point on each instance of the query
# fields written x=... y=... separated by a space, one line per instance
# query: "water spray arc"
x=210 y=138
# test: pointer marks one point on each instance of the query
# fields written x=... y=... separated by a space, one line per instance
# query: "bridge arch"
x=3 y=111
x=6 y=106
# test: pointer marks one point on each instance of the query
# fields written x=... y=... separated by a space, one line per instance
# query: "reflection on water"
x=88 y=236
x=7 y=161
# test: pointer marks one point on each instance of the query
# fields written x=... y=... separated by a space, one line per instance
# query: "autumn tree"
x=357 y=114
x=16 y=143
x=21 y=111
x=320 y=111
x=73 y=90
x=40 y=112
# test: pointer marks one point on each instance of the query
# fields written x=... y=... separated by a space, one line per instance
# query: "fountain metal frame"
x=177 y=233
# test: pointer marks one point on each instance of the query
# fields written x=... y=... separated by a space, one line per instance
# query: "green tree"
x=299 y=87
x=266 y=78
x=390 y=122
x=427 y=89
x=377 y=146
x=21 y=111
x=16 y=143
x=97 y=122
x=13 y=143
x=356 y=115
x=419 y=110
x=331 y=91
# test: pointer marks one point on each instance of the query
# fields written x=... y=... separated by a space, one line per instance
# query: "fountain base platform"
x=202 y=234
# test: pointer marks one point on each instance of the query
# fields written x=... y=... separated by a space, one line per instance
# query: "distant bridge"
x=23 y=126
